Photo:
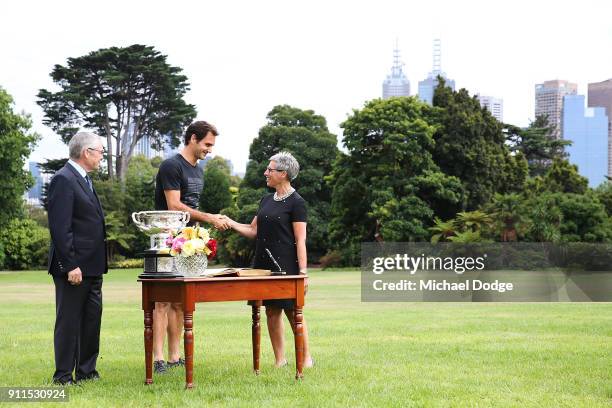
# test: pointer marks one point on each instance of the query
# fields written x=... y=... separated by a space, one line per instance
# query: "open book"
x=237 y=272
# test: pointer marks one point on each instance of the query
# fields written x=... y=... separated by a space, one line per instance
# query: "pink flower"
x=177 y=244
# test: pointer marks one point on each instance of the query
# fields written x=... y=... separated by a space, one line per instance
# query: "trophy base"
x=158 y=266
x=159 y=275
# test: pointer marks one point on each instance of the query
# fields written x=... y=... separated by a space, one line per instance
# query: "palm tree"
x=506 y=209
x=115 y=234
x=442 y=230
x=474 y=221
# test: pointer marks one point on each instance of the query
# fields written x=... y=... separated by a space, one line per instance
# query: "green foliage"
x=305 y=135
x=216 y=193
x=123 y=93
x=25 y=243
x=537 y=144
x=604 y=195
x=117 y=236
x=508 y=216
x=470 y=145
x=16 y=144
x=388 y=187
x=567 y=217
x=139 y=196
x=563 y=177
x=442 y=230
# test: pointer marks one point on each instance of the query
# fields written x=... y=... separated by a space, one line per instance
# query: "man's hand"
x=75 y=277
x=220 y=222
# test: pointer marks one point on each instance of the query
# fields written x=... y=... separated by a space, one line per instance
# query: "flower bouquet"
x=192 y=248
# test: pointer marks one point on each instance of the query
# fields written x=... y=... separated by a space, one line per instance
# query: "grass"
x=367 y=354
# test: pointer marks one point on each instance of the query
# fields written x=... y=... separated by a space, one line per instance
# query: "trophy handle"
x=136 y=218
x=185 y=218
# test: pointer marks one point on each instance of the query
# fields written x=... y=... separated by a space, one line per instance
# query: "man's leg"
x=160 y=325
x=68 y=311
x=175 y=330
x=90 y=330
x=276 y=331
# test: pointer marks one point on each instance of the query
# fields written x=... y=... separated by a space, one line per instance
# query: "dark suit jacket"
x=76 y=222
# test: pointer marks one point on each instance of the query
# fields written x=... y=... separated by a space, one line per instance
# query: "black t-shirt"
x=176 y=173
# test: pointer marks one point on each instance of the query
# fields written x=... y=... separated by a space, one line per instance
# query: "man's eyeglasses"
x=102 y=151
x=270 y=170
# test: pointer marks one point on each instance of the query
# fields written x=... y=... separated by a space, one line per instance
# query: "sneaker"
x=179 y=362
x=160 y=366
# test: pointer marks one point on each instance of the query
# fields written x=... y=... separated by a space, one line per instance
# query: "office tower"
x=549 y=101
x=600 y=94
x=493 y=105
x=396 y=83
x=428 y=85
x=587 y=128
x=143 y=146
x=34 y=195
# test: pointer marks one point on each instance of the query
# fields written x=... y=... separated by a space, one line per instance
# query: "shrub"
x=26 y=244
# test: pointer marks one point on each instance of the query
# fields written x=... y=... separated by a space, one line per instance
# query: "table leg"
x=256 y=335
x=299 y=342
x=188 y=340
x=148 y=343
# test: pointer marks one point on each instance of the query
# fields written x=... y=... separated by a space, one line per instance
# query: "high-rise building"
x=493 y=105
x=600 y=94
x=34 y=195
x=143 y=146
x=429 y=84
x=587 y=128
x=549 y=101
x=396 y=83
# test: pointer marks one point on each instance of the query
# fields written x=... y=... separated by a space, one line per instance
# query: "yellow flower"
x=198 y=245
x=188 y=249
x=203 y=234
x=189 y=233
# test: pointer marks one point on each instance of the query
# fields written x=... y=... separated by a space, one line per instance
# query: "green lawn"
x=367 y=354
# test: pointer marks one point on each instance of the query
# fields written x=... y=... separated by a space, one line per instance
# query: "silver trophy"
x=158 y=224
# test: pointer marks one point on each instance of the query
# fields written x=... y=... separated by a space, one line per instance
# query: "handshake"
x=221 y=222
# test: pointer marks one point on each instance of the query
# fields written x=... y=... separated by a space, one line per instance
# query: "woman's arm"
x=299 y=231
x=247 y=230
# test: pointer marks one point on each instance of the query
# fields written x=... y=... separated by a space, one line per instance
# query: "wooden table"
x=189 y=291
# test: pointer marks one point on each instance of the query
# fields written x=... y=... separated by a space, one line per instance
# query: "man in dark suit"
x=77 y=260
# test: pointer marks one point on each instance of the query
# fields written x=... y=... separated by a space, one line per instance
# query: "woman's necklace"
x=282 y=197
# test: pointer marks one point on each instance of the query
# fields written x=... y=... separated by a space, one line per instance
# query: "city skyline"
x=311 y=57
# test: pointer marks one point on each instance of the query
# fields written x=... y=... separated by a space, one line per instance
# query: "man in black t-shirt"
x=178 y=186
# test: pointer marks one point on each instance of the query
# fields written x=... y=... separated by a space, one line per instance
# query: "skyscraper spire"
x=428 y=85
x=437 y=57
x=396 y=84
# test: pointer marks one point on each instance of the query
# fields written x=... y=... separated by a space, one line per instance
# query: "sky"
x=244 y=57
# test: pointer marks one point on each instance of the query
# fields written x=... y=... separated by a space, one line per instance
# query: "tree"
x=216 y=191
x=16 y=144
x=470 y=145
x=507 y=211
x=123 y=94
x=50 y=166
x=537 y=144
x=388 y=186
x=117 y=236
x=562 y=177
x=304 y=134
x=442 y=230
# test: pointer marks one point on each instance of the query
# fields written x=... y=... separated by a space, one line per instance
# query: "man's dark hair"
x=200 y=129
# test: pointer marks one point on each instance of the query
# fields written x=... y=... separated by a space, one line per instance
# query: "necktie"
x=88 y=180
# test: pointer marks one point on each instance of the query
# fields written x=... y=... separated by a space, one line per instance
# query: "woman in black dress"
x=280 y=227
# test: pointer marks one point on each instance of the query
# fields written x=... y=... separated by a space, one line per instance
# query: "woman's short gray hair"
x=81 y=141
x=286 y=162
